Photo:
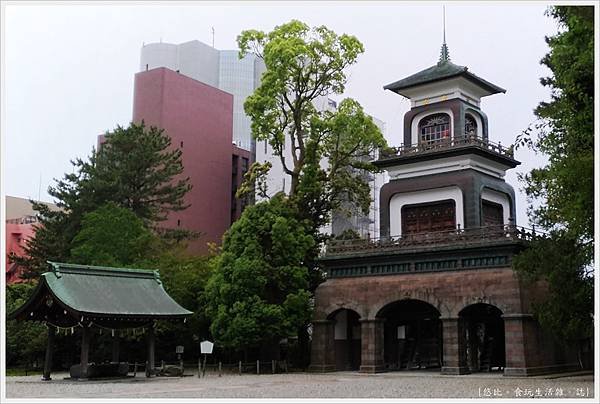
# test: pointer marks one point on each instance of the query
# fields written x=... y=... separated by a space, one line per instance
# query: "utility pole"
x=213 y=36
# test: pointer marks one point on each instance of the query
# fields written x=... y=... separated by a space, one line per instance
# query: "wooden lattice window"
x=492 y=213
x=429 y=217
x=434 y=129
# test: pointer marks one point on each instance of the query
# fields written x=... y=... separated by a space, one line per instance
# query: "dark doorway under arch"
x=484 y=337
x=412 y=335
x=346 y=339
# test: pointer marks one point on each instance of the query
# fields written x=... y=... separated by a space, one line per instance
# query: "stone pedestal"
x=455 y=347
x=322 y=354
x=371 y=346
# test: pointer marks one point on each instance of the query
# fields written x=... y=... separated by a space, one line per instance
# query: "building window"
x=429 y=217
x=434 y=129
x=470 y=126
x=491 y=213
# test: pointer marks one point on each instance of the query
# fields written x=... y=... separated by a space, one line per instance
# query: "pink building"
x=20 y=222
x=199 y=120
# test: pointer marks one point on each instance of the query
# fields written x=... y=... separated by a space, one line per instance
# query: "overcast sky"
x=69 y=68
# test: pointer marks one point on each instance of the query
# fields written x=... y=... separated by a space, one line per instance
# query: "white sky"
x=68 y=69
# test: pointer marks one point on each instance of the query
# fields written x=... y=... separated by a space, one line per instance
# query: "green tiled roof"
x=445 y=69
x=105 y=292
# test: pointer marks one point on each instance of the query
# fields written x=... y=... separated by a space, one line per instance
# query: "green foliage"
x=136 y=169
x=184 y=278
x=139 y=169
x=563 y=265
x=25 y=341
x=305 y=64
x=257 y=293
x=564 y=187
x=112 y=236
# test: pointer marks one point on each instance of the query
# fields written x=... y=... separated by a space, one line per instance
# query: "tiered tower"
x=437 y=289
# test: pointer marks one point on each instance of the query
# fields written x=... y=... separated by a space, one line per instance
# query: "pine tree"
x=135 y=168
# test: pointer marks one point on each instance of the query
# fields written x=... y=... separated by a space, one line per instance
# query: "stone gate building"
x=437 y=289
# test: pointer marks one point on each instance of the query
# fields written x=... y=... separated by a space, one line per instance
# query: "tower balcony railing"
x=458 y=237
x=446 y=144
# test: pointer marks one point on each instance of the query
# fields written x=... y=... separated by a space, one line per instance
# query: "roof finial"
x=444 y=54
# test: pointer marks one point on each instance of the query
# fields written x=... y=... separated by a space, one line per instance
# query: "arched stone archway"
x=484 y=337
x=412 y=335
x=426 y=296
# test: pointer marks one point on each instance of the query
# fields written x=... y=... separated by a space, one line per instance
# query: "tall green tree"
x=113 y=236
x=325 y=152
x=258 y=293
x=329 y=148
x=561 y=193
x=136 y=168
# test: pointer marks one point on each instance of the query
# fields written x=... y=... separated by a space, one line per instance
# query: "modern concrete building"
x=437 y=290
x=240 y=77
x=217 y=68
x=198 y=118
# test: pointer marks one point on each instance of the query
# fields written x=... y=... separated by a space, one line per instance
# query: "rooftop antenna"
x=213 y=36
x=444 y=54
x=40 y=188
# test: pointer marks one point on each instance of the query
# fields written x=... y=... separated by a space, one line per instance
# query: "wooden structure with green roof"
x=71 y=295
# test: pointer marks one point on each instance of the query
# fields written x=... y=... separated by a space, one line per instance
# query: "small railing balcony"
x=446 y=144
x=23 y=220
x=459 y=237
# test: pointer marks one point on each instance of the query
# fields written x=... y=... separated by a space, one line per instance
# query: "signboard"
x=179 y=349
x=401 y=332
x=206 y=347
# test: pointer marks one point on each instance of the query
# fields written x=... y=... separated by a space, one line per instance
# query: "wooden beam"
x=116 y=342
x=151 y=342
x=86 y=334
x=48 y=359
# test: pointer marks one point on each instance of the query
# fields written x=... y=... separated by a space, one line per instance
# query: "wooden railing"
x=446 y=144
x=467 y=237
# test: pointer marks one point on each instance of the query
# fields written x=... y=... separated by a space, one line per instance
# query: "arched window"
x=470 y=126
x=434 y=129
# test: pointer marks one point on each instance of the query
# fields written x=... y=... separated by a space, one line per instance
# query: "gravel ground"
x=421 y=384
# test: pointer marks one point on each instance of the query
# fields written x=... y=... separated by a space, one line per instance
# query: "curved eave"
x=491 y=88
x=417 y=157
x=25 y=307
x=32 y=304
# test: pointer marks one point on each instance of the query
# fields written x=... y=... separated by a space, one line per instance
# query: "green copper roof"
x=104 y=292
x=443 y=70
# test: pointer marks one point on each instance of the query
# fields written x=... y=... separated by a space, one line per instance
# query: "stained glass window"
x=434 y=129
x=470 y=126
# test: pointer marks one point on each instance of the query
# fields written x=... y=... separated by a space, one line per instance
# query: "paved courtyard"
x=306 y=385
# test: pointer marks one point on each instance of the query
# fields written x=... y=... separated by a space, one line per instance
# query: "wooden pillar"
x=116 y=348
x=150 y=337
x=454 y=346
x=86 y=336
x=49 y=348
x=371 y=335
